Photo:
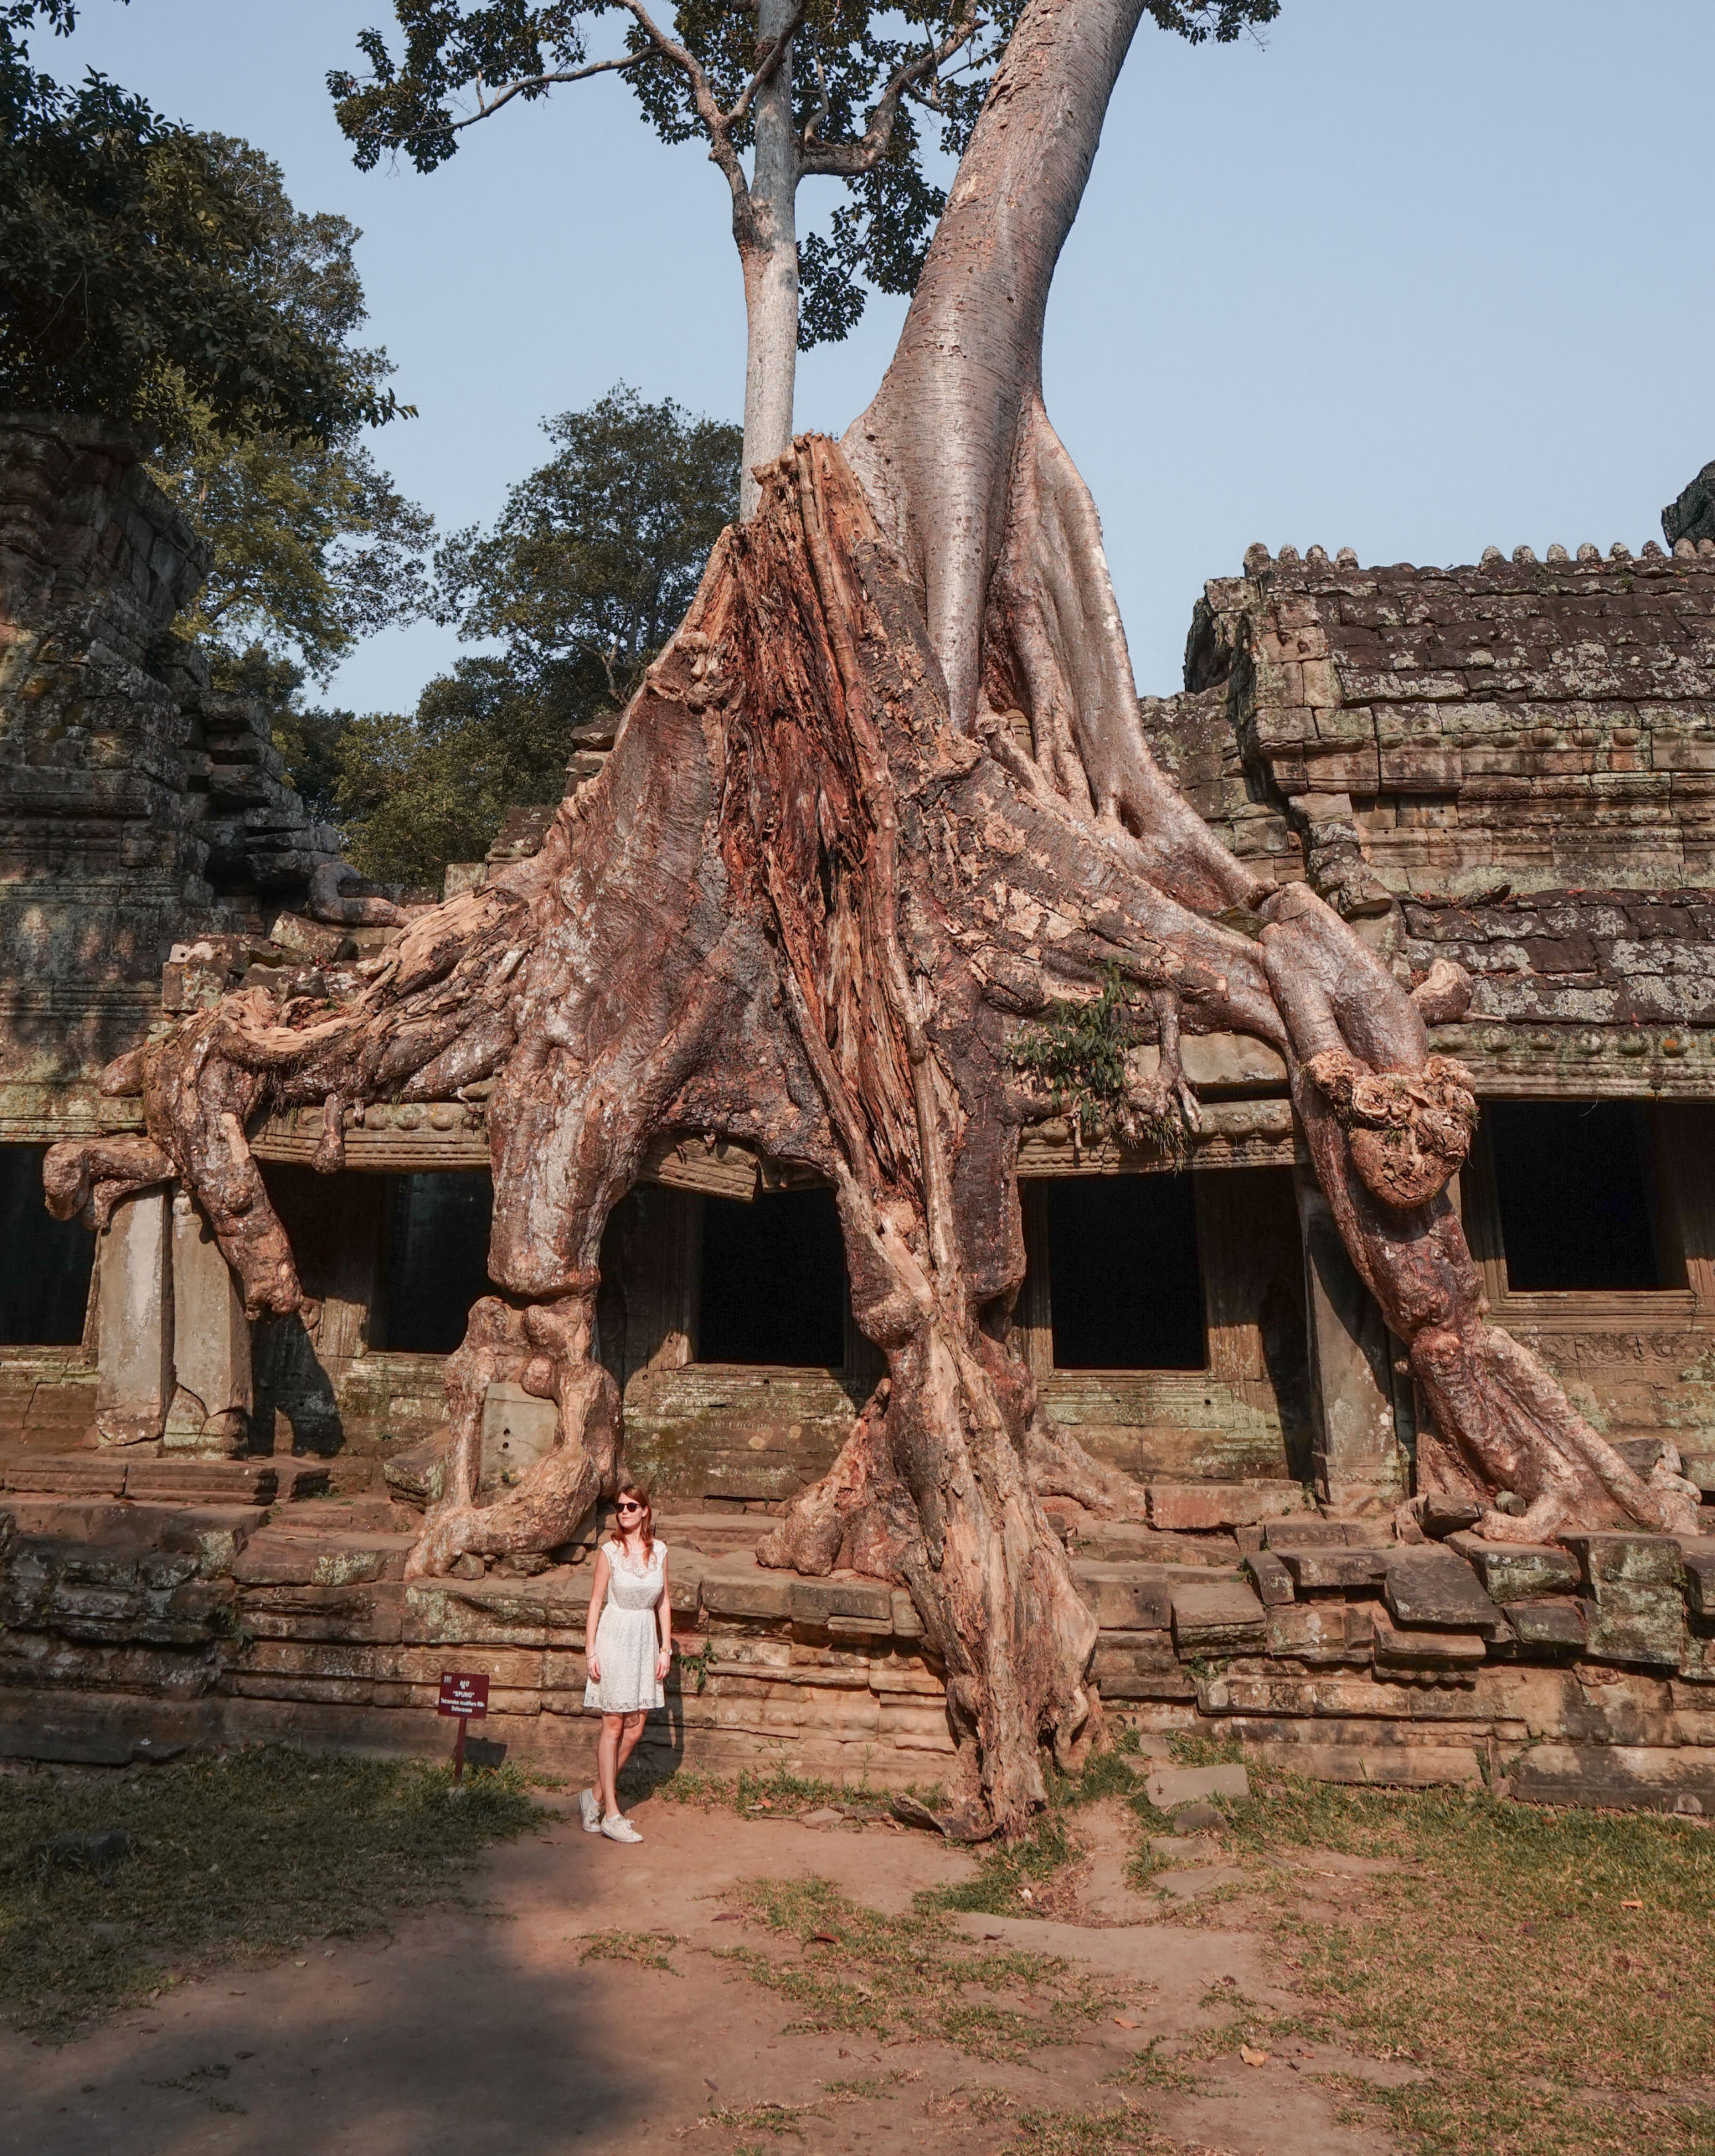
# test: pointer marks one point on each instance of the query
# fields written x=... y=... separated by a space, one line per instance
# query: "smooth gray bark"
x=766 y=228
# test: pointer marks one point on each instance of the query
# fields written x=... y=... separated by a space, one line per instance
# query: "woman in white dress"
x=628 y=1649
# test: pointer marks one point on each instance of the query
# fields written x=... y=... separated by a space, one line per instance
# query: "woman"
x=628 y=1606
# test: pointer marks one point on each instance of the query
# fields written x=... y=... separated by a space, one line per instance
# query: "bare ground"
x=481 y=2026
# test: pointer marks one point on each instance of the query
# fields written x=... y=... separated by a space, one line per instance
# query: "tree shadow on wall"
x=291 y=1383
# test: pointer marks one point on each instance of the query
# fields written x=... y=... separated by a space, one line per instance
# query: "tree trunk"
x=807 y=905
x=765 y=226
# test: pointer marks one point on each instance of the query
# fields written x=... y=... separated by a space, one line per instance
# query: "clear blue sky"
x=1414 y=278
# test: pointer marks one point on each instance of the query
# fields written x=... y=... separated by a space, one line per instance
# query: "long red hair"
x=647 y=1526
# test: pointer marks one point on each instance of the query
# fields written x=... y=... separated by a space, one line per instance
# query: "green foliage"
x=245 y=1854
x=314 y=547
x=1077 y=1051
x=134 y=268
x=587 y=571
x=1076 y=1054
x=593 y=559
x=457 y=64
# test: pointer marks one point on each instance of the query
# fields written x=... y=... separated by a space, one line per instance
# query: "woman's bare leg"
x=607 y=1746
x=629 y=1735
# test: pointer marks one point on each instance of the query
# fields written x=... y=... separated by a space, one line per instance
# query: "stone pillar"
x=134 y=1321
x=211 y=1342
x=1360 y=1466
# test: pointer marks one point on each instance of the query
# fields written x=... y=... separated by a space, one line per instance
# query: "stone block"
x=1269 y=1576
x=310 y=1613
x=1342 y=1570
x=1140 y=1665
x=134 y=1321
x=50 y=1475
x=1409 y=1647
x=1221 y=1617
x=1304 y=1695
x=1628 y=1777
x=1193 y=1508
x=1383 y=1766
x=907 y=1623
x=202 y=1482
x=841 y=1596
x=1307 y=1532
x=273 y=1558
x=1168 y=1787
x=1555 y=1625
x=1518 y=1571
x=1434 y=1587
x=1697 y=1554
x=1629 y=1622
x=418 y=1475
x=1125 y=1598
x=1628 y=1560
x=518 y=1431
x=741 y=1588
x=432 y=1613
x=213 y=1534
x=211 y=1342
x=1324 y=1632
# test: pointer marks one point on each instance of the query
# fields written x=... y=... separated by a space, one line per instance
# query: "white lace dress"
x=626 y=1639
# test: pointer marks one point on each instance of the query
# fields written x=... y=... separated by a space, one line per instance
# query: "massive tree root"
x=807 y=905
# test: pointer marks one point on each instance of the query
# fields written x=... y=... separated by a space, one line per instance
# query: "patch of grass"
x=914 y=1976
x=648 y=1949
x=1122 y=2133
x=1189 y=1749
x=240 y=1855
x=975 y=2100
x=1550 y=1972
x=1149 y=2070
x=1005 y=1868
x=775 y=2118
x=779 y=1792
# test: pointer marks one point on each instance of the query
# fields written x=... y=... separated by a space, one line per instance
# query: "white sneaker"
x=619 y=1828
x=592 y=1812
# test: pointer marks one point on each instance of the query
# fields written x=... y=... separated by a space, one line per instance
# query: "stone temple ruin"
x=202 y=1527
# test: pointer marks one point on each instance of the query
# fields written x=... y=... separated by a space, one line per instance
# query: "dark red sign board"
x=462 y=1694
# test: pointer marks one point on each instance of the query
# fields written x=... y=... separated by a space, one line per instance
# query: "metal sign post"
x=464 y=1695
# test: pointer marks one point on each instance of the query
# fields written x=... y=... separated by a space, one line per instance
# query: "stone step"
x=282 y=1555
x=99 y=1475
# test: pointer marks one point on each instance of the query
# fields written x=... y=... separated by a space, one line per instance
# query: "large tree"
x=313 y=546
x=815 y=902
x=134 y=268
x=580 y=581
x=809 y=89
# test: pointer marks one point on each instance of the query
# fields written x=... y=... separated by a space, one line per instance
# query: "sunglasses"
x=626 y=1505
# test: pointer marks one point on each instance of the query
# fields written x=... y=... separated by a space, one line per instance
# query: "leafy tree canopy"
x=314 y=546
x=583 y=576
x=863 y=75
x=137 y=268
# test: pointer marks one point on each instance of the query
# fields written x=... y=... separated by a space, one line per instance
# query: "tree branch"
x=718 y=123
x=767 y=64
x=847 y=160
x=486 y=108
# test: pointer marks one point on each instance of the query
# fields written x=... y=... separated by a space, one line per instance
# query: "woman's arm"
x=598 y=1596
x=664 y=1619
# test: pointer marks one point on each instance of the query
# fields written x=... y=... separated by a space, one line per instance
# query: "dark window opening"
x=44 y=1282
x=1573 y=1184
x=1124 y=1286
x=773 y=1281
x=437 y=1257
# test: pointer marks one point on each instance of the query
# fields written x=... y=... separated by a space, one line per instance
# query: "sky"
x=1413 y=278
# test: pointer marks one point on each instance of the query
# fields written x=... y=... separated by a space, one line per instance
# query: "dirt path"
x=482 y=2028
